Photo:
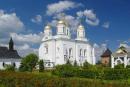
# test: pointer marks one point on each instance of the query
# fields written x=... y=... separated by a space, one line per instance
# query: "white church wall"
x=10 y=62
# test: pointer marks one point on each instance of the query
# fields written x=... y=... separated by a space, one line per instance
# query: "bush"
x=128 y=66
x=9 y=68
x=22 y=79
x=104 y=73
x=119 y=66
x=65 y=70
x=41 y=66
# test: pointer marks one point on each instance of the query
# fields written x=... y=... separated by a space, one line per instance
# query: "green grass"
x=30 y=78
x=49 y=74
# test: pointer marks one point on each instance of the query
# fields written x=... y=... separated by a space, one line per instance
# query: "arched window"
x=118 y=62
x=46 y=49
x=70 y=52
x=85 y=52
x=80 y=52
x=64 y=30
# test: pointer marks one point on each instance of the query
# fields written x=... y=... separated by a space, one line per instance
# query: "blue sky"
x=110 y=20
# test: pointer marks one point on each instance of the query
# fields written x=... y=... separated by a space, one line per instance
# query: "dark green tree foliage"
x=41 y=66
x=28 y=63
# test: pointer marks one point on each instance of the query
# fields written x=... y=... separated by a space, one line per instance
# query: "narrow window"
x=85 y=52
x=46 y=49
x=67 y=32
x=80 y=52
x=70 y=52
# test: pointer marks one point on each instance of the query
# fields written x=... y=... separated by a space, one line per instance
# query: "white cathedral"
x=58 y=49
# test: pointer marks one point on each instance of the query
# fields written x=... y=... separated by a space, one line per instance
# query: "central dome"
x=61 y=22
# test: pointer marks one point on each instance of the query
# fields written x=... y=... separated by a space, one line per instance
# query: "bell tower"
x=47 y=32
x=63 y=31
x=81 y=33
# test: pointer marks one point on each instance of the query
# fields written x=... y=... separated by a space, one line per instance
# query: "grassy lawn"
x=46 y=78
x=49 y=74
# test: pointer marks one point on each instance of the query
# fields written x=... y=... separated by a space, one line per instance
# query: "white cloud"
x=61 y=6
x=99 y=49
x=72 y=22
x=106 y=25
x=90 y=17
x=9 y=22
x=11 y=25
x=25 y=49
x=24 y=43
x=27 y=38
x=37 y=19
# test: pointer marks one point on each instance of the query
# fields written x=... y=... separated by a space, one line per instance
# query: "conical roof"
x=107 y=53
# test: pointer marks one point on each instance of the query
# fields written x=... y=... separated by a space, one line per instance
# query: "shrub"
x=119 y=66
x=128 y=66
x=9 y=68
x=65 y=70
x=86 y=65
x=22 y=79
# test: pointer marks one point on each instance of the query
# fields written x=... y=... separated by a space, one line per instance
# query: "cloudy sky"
x=106 y=21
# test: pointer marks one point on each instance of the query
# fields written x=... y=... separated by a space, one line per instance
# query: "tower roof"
x=81 y=27
x=47 y=27
x=106 y=53
x=11 y=44
x=61 y=22
x=11 y=40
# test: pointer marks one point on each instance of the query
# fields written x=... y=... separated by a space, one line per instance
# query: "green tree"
x=41 y=66
x=29 y=62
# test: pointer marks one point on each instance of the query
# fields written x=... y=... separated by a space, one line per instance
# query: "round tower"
x=63 y=29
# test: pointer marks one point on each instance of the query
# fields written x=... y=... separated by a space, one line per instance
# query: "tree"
x=29 y=62
x=41 y=66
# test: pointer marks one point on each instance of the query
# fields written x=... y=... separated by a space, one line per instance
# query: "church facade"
x=9 y=56
x=58 y=49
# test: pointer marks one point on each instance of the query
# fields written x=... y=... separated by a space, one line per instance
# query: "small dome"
x=47 y=27
x=81 y=27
